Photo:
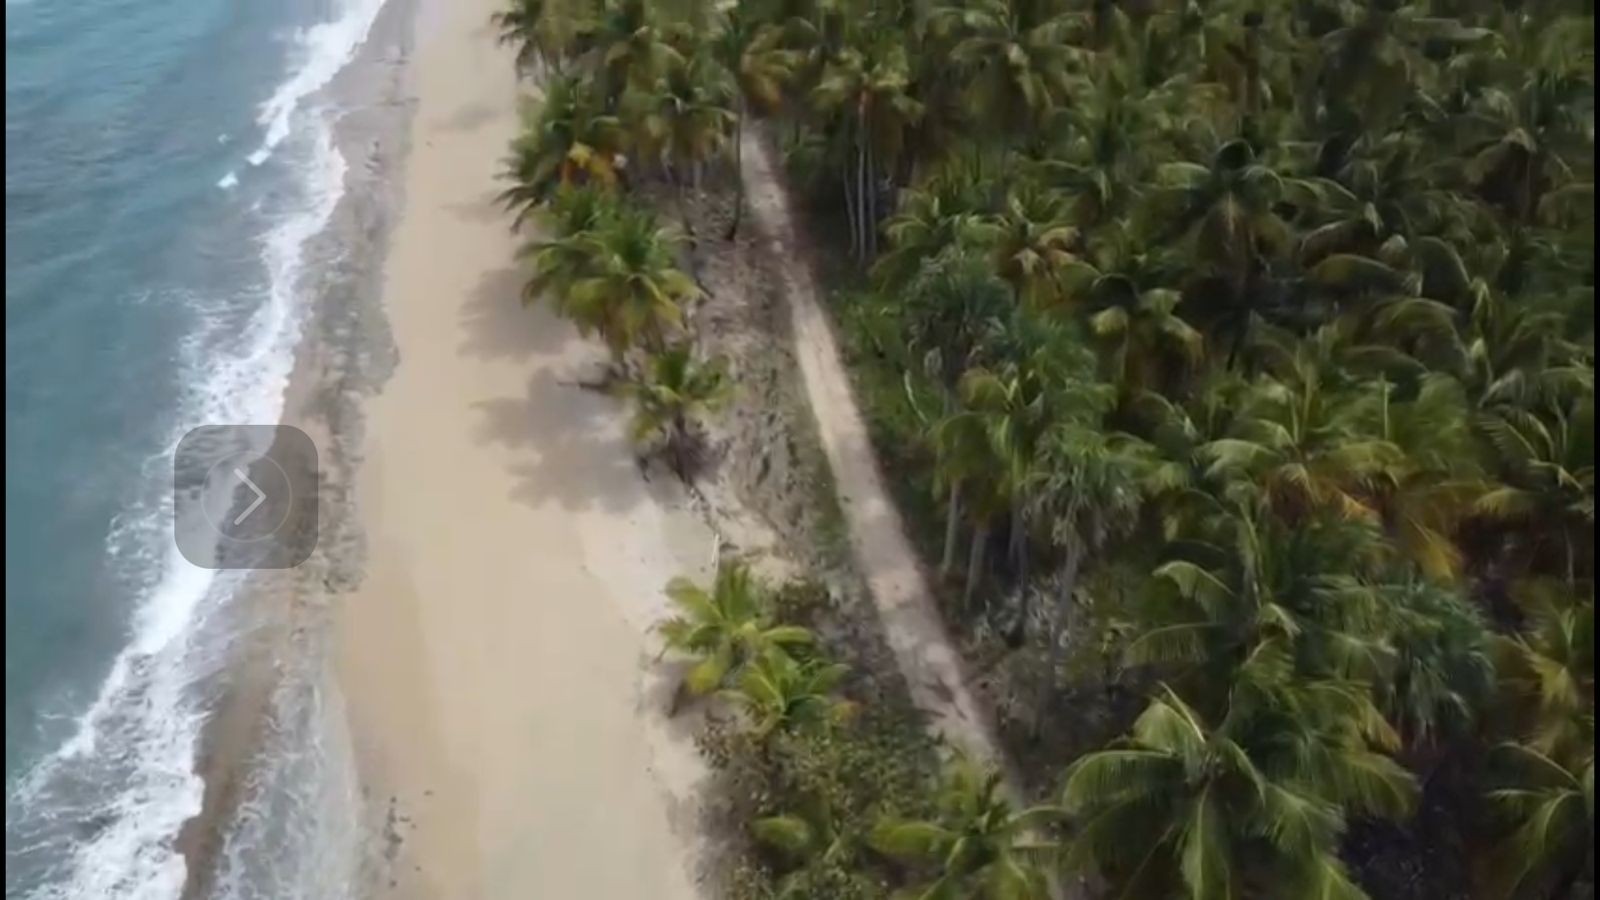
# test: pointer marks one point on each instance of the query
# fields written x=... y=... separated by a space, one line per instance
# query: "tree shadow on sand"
x=486 y=210
x=575 y=452
x=496 y=325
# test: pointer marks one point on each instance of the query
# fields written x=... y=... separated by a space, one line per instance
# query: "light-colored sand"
x=495 y=658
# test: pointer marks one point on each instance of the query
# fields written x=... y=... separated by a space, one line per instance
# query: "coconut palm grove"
x=1233 y=363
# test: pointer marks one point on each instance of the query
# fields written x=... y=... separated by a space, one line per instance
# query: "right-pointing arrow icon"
x=260 y=496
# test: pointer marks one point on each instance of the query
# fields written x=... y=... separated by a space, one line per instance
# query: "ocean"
x=170 y=170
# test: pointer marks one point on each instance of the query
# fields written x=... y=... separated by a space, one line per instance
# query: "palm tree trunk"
x=872 y=204
x=738 y=171
x=1019 y=542
x=1252 y=72
x=861 y=175
x=1526 y=190
x=680 y=447
x=980 y=542
x=849 y=206
x=861 y=204
x=1572 y=558
x=683 y=209
x=866 y=200
x=688 y=229
x=952 y=530
x=1069 y=586
x=1055 y=652
x=683 y=204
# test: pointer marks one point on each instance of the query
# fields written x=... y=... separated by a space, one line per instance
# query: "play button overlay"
x=245 y=496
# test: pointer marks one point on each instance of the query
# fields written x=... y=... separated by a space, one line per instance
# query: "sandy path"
x=506 y=715
x=911 y=621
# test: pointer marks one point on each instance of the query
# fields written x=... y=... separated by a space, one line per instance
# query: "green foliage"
x=1202 y=811
x=810 y=793
x=778 y=691
x=1280 y=313
x=670 y=397
x=1550 y=810
x=978 y=843
x=684 y=117
x=567 y=138
x=725 y=629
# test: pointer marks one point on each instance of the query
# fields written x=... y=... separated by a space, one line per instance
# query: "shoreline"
x=509 y=731
x=283 y=618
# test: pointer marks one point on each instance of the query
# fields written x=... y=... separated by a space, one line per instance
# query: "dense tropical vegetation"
x=1245 y=347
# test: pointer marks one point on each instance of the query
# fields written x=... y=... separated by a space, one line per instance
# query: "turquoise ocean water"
x=167 y=164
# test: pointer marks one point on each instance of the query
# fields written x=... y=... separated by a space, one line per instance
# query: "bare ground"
x=913 y=627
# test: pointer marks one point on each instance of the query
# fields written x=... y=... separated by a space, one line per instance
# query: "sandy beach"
x=506 y=713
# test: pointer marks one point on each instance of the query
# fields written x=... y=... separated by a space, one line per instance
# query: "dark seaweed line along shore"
x=1233 y=363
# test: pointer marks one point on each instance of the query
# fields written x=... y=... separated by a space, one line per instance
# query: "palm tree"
x=1143 y=335
x=762 y=69
x=725 y=628
x=1383 y=187
x=964 y=462
x=574 y=215
x=1551 y=809
x=1145 y=344
x=1373 y=64
x=1424 y=494
x=865 y=91
x=670 y=396
x=945 y=213
x=542 y=31
x=1443 y=672
x=1088 y=493
x=1545 y=466
x=1227 y=205
x=1547 y=671
x=633 y=292
x=1186 y=808
x=1525 y=143
x=566 y=139
x=625 y=46
x=780 y=692
x=1334 y=262
x=956 y=304
x=1103 y=154
x=1227 y=210
x=983 y=846
x=1517 y=353
x=1176 y=479
x=1306 y=443
x=686 y=117
x=1007 y=414
x=1248 y=579
x=1251 y=53
x=1016 y=58
x=1034 y=248
x=522 y=25
x=814 y=835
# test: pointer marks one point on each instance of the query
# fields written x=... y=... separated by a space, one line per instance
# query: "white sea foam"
x=141 y=733
x=326 y=48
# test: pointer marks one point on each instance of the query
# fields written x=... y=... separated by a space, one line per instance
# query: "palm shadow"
x=496 y=325
x=486 y=210
x=574 y=452
x=471 y=117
